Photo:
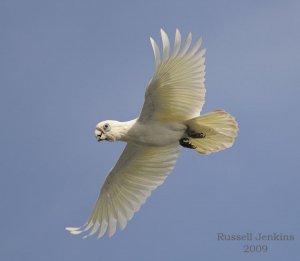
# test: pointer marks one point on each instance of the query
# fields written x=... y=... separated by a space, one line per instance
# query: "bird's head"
x=108 y=130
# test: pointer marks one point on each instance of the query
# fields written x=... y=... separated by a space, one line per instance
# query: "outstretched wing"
x=176 y=90
x=138 y=171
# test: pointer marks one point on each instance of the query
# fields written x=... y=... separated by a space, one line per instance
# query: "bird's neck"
x=123 y=129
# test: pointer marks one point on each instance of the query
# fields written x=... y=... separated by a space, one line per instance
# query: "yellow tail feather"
x=212 y=132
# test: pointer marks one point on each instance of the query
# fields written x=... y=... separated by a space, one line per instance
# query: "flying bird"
x=170 y=118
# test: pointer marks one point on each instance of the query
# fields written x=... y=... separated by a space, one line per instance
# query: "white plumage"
x=176 y=91
x=169 y=118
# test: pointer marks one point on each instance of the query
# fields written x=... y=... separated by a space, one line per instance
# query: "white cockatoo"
x=170 y=117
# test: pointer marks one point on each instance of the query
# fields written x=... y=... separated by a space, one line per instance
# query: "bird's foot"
x=196 y=135
x=185 y=142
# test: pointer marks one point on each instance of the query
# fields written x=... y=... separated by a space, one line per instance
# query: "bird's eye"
x=106 y=127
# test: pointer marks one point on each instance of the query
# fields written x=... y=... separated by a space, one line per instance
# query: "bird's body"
x=152 y=133
x=170 y=117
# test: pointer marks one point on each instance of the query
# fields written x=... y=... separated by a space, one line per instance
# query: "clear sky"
x=66 y=65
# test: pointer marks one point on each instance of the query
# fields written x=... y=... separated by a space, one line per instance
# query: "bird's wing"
x=177 y=89
x=138 y=171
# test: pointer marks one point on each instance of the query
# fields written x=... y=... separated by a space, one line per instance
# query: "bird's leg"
x=185 y=142
x=195 y=135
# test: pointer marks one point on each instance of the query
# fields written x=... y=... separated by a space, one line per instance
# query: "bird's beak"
x=99 y=134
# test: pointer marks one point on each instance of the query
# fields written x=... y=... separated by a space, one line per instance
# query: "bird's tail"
x=211 y=132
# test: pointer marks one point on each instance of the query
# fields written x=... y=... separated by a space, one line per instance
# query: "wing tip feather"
x=155 y=51
x=166 y=44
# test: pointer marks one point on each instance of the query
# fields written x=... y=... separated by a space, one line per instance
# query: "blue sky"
x=66 y=65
